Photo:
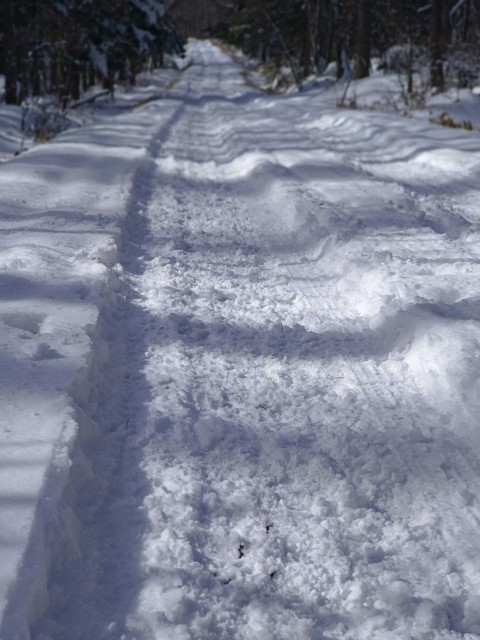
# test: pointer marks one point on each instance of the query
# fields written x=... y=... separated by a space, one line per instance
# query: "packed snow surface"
x=240 y=373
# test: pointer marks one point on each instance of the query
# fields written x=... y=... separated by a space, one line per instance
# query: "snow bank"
x=443 y=355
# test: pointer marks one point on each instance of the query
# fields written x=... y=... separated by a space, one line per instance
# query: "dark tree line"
x=310 y=34
x=62 y=47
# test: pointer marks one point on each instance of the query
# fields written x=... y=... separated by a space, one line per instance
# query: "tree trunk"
x=109 y=79
x=10 y=53
x=362 y=44
x=410 y=69
x=437 y=46
x=74 y=81
x=467 y=21
x=306 y=53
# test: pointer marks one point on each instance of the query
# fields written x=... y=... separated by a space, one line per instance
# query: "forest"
x=308 y=35
x=60 y=48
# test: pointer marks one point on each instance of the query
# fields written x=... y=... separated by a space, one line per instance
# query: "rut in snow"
x=99 y=581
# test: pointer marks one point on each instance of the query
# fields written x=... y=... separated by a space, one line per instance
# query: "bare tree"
x=437 y=44
x=362 y=41
x=10 y=58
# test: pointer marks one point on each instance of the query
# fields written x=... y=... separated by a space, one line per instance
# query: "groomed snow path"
x=285 y=439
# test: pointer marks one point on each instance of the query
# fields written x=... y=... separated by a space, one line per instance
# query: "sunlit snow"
x=240 y=372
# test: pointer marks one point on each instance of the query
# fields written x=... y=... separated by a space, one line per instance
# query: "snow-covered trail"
x=289 y=437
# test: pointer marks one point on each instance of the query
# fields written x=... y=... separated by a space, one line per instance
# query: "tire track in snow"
x=219 y=544
x=419 y=457
x=386 y=478
x=303 y=615
x=92 y=589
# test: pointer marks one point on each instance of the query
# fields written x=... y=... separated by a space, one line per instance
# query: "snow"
x=386 y=90
x=240 y=375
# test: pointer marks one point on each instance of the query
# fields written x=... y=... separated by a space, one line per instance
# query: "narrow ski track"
x=94 y=579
